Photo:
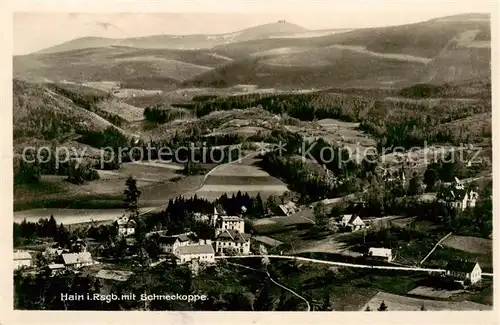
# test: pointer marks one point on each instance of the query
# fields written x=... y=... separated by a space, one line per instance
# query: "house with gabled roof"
x=168 y=244
x=285 y=210
x=201 y=253
x=229 y=223
x=382 y=254
x=77 y=260
x=464 y=272
x=352 y=222
x=232 y=239
x=126 y=226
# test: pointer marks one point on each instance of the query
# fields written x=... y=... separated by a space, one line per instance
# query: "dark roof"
x=461 y=266
x=181 y=237
x=167 y=239
x=268 y=241
x=197 y=249
x=187 y=237
x=233 y=235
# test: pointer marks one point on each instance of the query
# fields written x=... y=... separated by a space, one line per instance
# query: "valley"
x=326 y=147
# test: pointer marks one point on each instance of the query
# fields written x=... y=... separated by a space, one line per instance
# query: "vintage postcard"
x=296 y=158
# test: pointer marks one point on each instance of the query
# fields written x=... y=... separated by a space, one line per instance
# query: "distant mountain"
x=455 y=48
x=442 y=50
x=426 y=39
x=281 y=28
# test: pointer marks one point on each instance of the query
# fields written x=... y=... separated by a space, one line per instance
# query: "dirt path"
x=434 y=248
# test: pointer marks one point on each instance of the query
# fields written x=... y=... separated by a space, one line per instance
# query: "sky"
x=38 y=27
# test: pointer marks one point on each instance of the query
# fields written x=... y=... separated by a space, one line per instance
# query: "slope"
x=313 y=68
x=157 y=68
x=425 y=39
x=43 y=114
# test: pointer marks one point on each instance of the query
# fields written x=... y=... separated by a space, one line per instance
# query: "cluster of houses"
x=229 y=238
x=59 y=259
x=72 y=259
x=458 y=197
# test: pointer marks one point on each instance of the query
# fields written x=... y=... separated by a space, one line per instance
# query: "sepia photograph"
x=293 y=161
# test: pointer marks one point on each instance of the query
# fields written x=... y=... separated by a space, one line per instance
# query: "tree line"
x=158 y=114
x=31 y=172
x=394 y=123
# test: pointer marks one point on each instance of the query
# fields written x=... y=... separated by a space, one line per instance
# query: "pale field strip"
x=243 y=188
x=72 y=216
x=240 y=170
x=433 y=292
x=392 y=56
x=402 y=303
x=158 y=163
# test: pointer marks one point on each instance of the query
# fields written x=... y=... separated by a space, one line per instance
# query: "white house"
x=230 y=223
x=383 y=254
x=460 y=200
x=352 y=222
x=202 y=253
x=465 y=272
x=234 y=239
x=22 y=259
x=77 y=260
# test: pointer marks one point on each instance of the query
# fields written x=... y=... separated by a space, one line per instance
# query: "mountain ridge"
x=190 y=41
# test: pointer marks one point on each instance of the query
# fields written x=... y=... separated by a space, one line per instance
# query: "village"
x=229 y=238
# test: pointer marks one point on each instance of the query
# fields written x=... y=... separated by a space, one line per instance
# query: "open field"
x=110 y=182
x=128 y=112
x=402 y=303
x=326 y=245
x=240 y=176
x=348 y=134
x=474 y=245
